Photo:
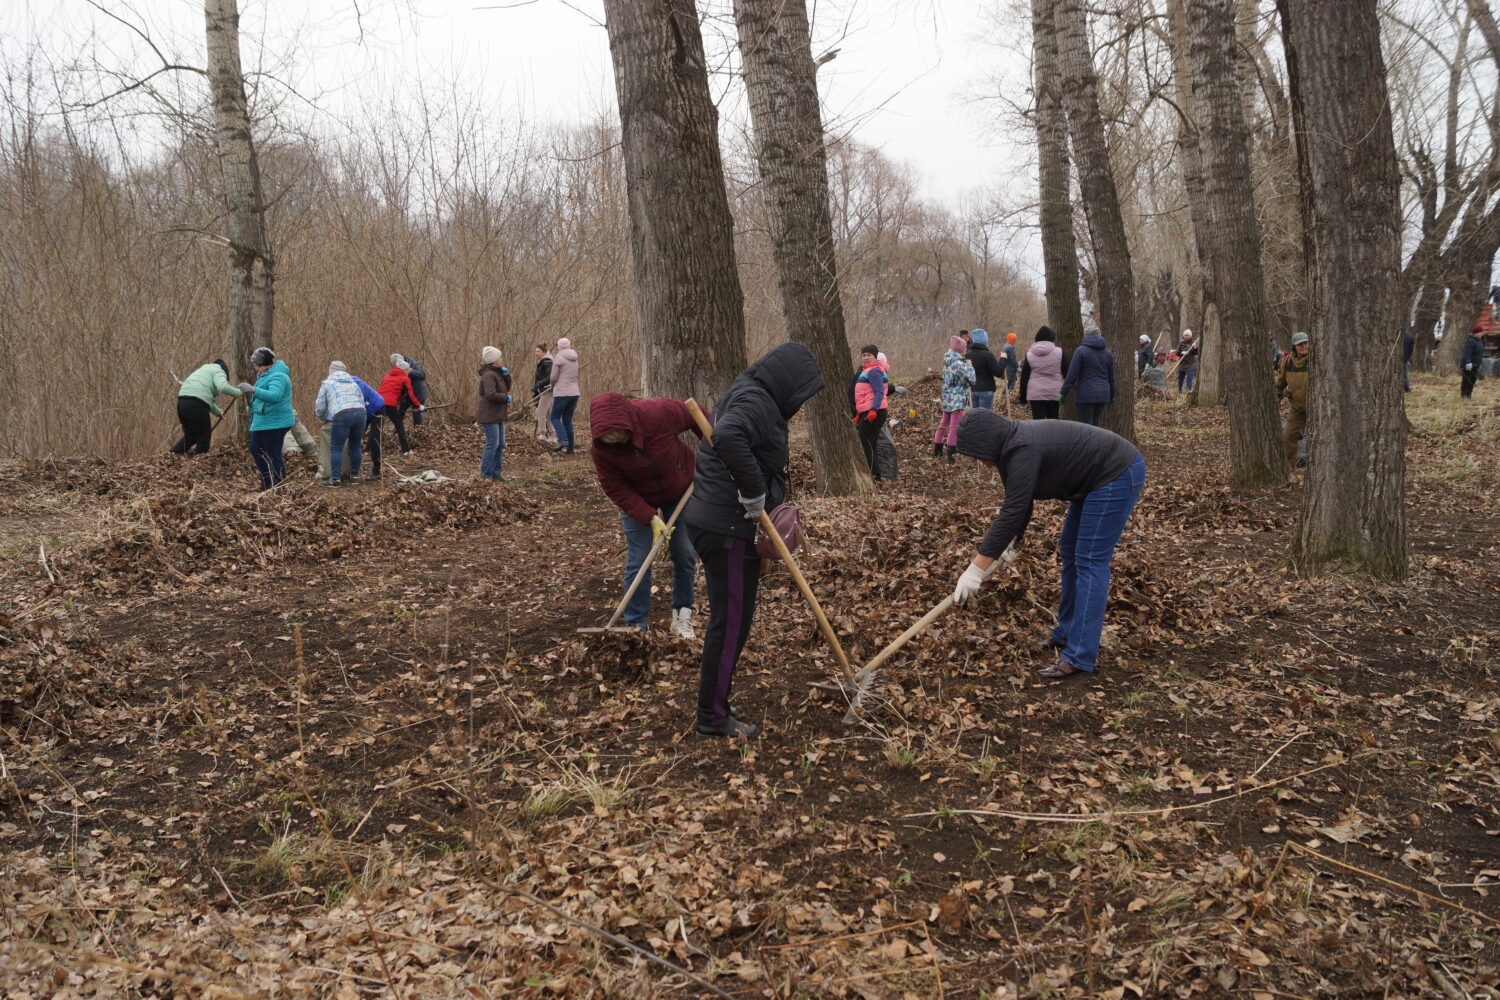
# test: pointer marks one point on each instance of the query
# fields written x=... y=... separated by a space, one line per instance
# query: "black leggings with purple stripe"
x=733 y=572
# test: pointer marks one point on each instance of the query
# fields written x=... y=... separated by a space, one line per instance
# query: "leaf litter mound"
x=1272 y=787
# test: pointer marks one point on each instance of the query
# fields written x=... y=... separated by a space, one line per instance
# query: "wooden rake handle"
x=786 y=556
x=921 y=626
x=650 y=558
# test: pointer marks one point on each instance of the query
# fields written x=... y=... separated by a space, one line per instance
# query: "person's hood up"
x=610 y=411
x=1043 y=348
x=567 y=354
x=983 y=434
x=789 y=374
x=1096 y=341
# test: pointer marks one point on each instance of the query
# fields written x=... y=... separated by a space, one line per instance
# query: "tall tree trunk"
x=776 y=52
x=1424 y=320
x=251 y=268
x=1055 y=212
x=690 y=317
x=1353 y=503
x=1233 y=238
x=1101 y=203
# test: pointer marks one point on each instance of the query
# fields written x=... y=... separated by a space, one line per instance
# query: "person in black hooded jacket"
x=740 y=475
x=1099 y=473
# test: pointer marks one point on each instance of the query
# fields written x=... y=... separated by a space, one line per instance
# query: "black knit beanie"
x=1045 y=333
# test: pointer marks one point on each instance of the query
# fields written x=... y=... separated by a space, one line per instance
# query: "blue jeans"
x=1090 y=533
x=562 y=419
x=494 y=450
x=984 y=400
x=1010 y=378
x=265 y=449
x=346 y=428
x=1186 y=375
x=684 y=566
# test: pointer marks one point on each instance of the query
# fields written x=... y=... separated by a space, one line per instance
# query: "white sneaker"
x=682 y=623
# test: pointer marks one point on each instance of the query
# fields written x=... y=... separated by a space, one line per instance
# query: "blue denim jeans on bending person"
x=346 y=428
x=984 y=400
x=1090 y=533
x=494 y=450
x=562 y=420
x=684 y=566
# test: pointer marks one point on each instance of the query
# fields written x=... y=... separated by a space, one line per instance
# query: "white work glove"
x=1010 y=554
x=968 y=584
x=1469 y=367
x=754 y=506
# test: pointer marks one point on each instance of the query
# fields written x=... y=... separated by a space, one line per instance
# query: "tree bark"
x=1233 y=239
x=1055 y=209
x=1353 y=502
x=1101 y=203
x=251 y=268
x=690 y=317
x=781 y=79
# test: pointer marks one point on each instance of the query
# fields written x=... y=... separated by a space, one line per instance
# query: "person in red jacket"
x=645 y=468
x=399 y=395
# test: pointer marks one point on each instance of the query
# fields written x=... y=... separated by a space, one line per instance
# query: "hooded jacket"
x=541 y=379
x=418 y=378
x=396 y=387
x=494 y=395
x=958 y=379
x=1042 y=372
x=651 y=470
x=339 y=392
x=749 y=452
x=373 y=401
x=987 y=367
x=271 y=404
x=207 y=382
x=1039 y=460
x=564 y=374
x=1091 y=375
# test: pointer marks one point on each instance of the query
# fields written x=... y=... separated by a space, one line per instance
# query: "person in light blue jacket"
x=341 y=403
x=270 y=415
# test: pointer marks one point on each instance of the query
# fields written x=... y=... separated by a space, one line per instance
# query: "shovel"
x=786 y=556
x=863 y=681
x=641 y=574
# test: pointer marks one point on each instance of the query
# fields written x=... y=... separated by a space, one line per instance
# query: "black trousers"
x=1044 y=409
x=733 y=572
x=372 y=442
x=869 y=434
x=1090 y=413
x=197 y=425
x=1466 y=387
x=397 y=417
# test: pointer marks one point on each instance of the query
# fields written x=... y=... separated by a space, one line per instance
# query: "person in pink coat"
x=564 y=393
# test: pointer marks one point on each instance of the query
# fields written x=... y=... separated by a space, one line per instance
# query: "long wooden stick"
x=650 y=558
x=786 y=556
x=921 y=626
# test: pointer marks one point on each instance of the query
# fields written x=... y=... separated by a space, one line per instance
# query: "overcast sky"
x=902 y=80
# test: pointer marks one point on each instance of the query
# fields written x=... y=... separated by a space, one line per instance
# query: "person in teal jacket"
x=270 y=415
x=196 y=402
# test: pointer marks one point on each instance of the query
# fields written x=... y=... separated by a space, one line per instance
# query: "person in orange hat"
x=1011 y=365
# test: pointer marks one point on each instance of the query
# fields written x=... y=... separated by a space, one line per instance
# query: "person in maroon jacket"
x=645 y=468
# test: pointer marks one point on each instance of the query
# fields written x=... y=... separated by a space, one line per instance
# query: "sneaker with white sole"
x=682 y=623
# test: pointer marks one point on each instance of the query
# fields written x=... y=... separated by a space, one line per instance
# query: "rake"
x=786 y=557
x=641 y=573
x=863 y=682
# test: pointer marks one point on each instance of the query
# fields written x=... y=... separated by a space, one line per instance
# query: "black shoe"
x=373 y=477
x=730 y=727
x=937 y=451
x=561 y=447
x=952 y=453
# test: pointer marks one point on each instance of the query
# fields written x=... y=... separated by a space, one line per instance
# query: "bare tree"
x=1101 y=203
x=689 y=307
x=1353 y=505
x=1055 y=207
x=251 y=267
x=781 y=78
x=1233 y=242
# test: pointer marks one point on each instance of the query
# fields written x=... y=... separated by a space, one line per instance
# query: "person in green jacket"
x=270 y=415
x=196 y=402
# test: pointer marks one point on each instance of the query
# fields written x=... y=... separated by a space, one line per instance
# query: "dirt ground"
x=347 y=743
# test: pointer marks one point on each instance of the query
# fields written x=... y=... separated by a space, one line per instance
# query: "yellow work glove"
x=659 y=530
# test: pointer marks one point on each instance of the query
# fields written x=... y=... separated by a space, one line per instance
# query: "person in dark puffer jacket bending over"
x=1099 y=473
x=739 y=476
x=645 y=468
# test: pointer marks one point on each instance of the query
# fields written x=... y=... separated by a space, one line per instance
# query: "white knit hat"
x=337 y=366
x=490 y=355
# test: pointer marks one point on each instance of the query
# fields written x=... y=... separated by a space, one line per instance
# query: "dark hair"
x=870 y=349
x=221 y=364
x=1045 y=333
x=542 y=348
